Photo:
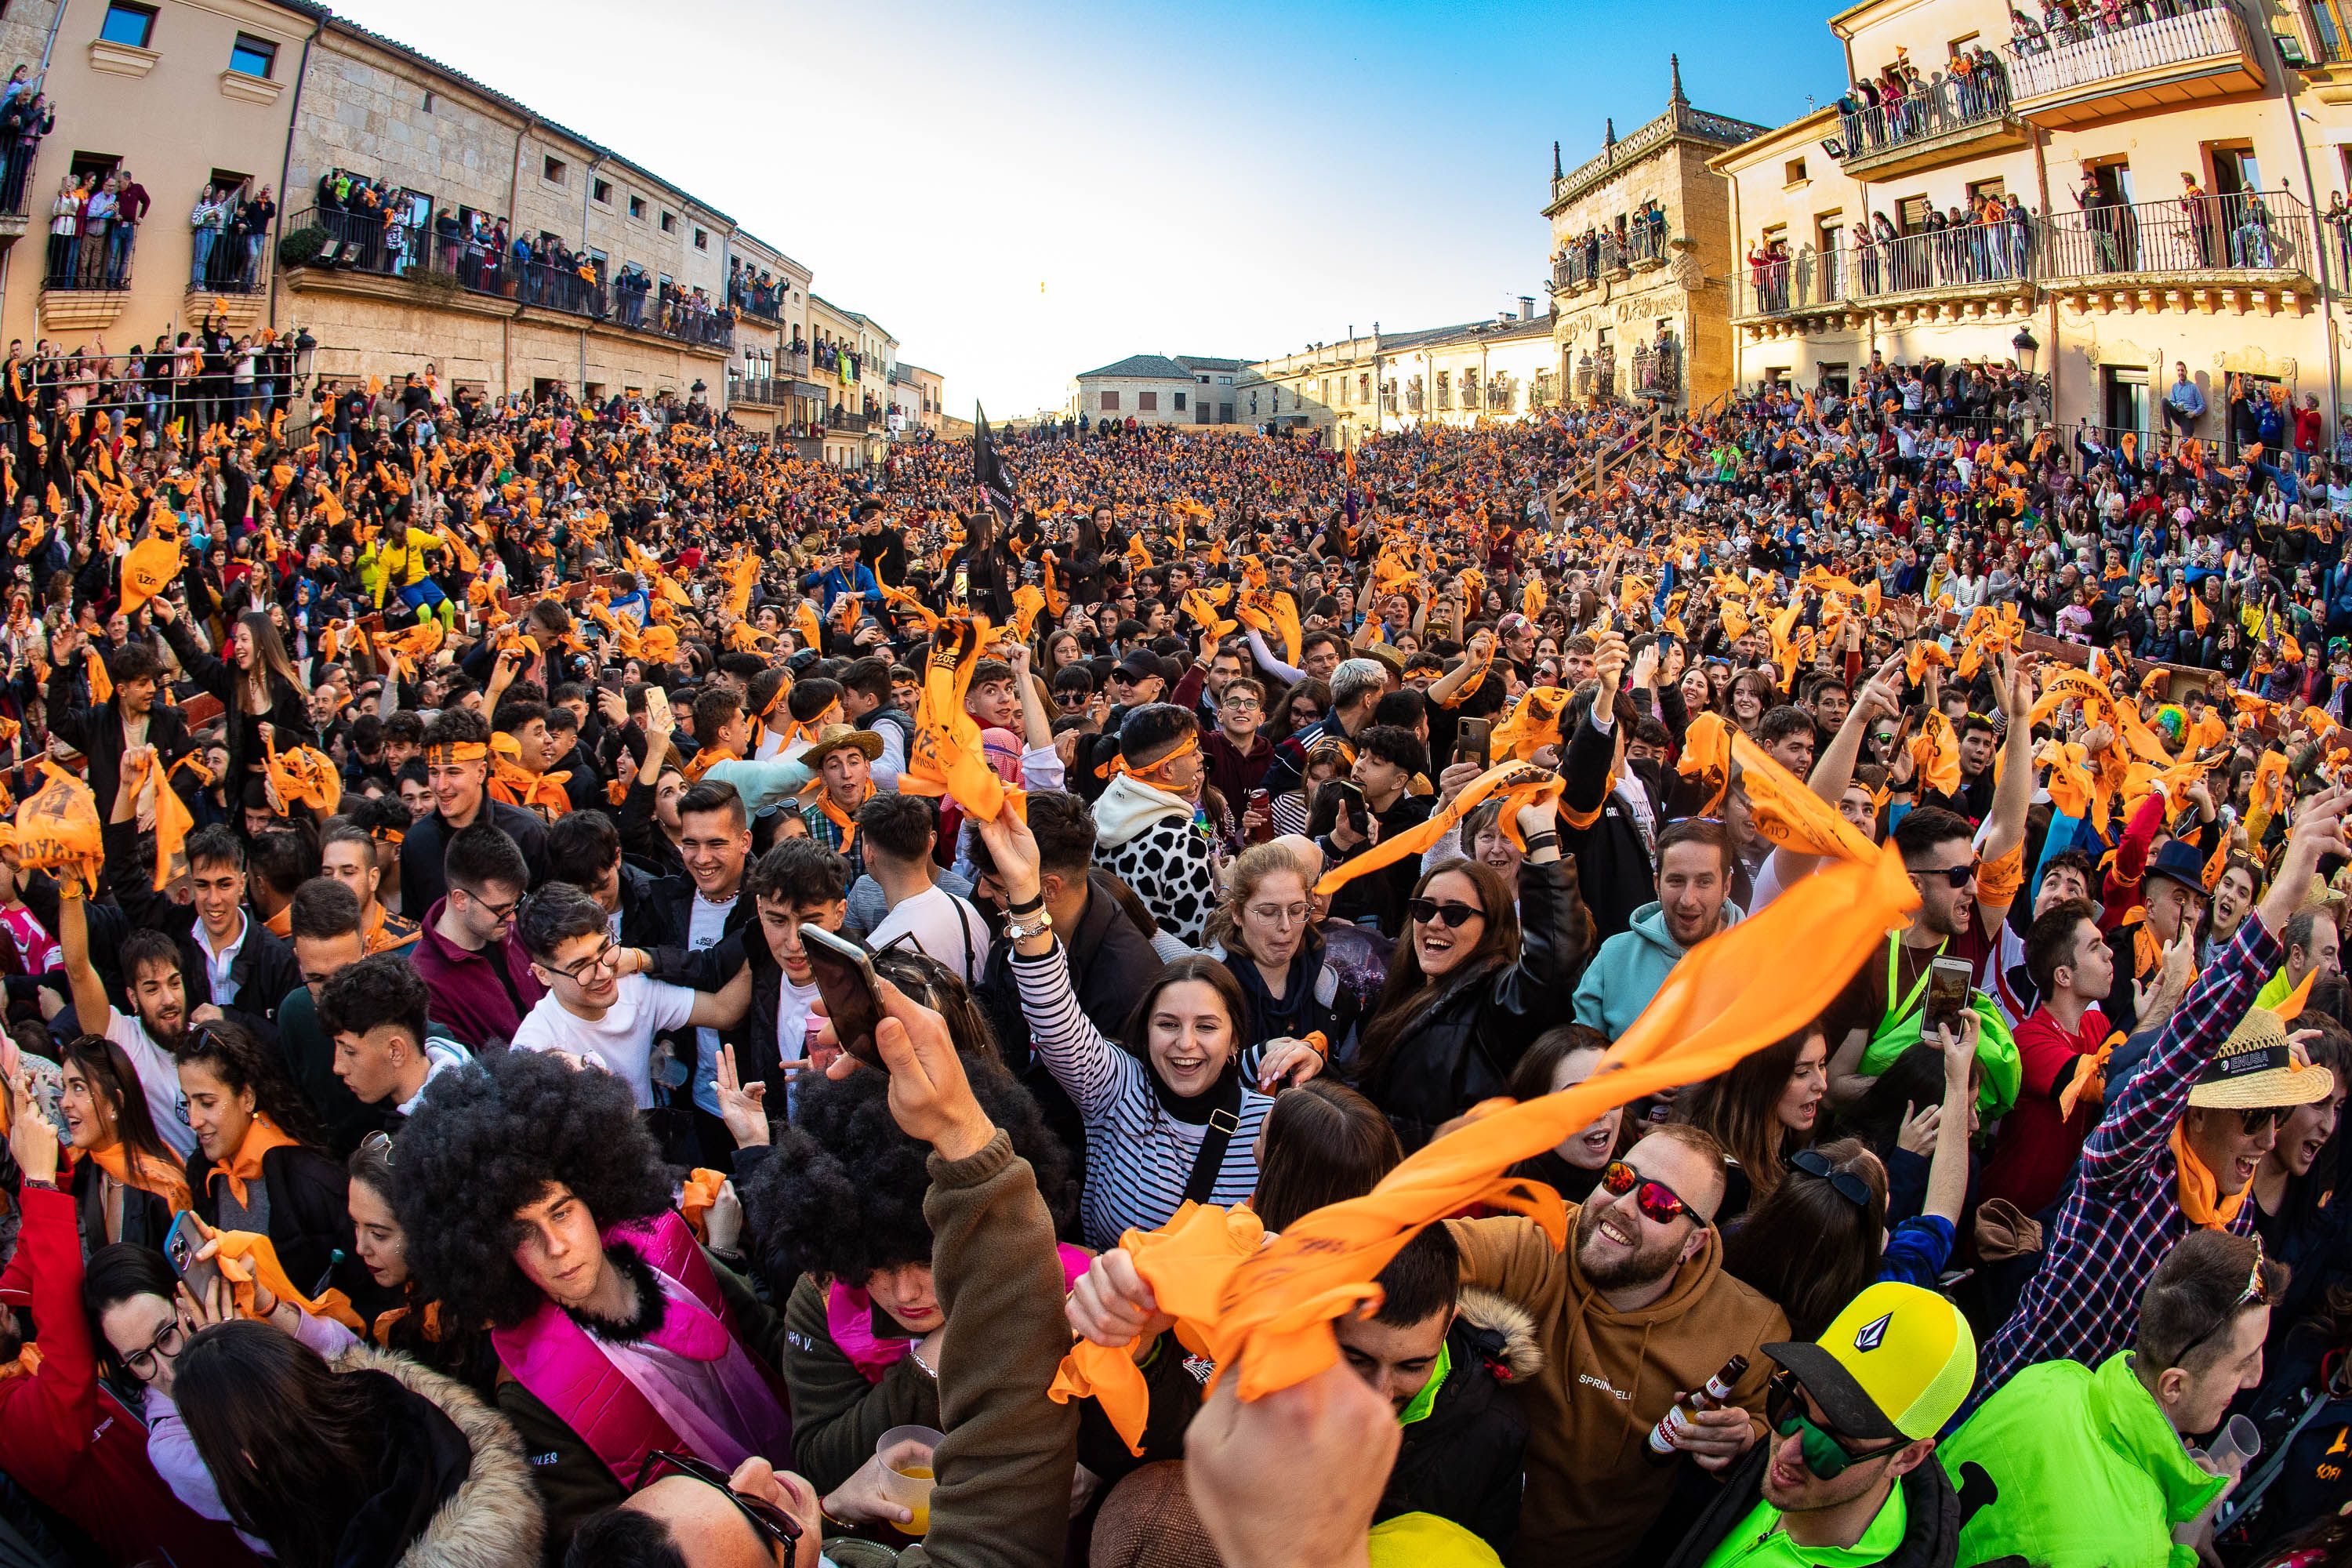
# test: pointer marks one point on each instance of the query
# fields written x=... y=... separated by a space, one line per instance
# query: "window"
x=1224 y=413
x=1180 y=402
x=1996 y=188
x=1792 y=173
x=1111 y=402
x=1911 y=213
x=551 y=169
x=250 y=55
x=1204 y=381
x=603 y=191
x=1225 y=380
x=129 y=24
x=669 y=223
x=701 y=239
x=430 y=101
x=1147 y=403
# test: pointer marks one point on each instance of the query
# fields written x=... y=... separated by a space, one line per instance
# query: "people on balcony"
x=64 y=225
x=26 y=118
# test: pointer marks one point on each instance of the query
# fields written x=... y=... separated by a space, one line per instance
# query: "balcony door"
x=2124 y=394
x=2236 y=176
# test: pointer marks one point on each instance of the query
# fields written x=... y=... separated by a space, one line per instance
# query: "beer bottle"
x=1665 y=1437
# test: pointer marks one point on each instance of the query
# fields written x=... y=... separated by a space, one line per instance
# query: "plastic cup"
x=2238 y=1443
x=906 y=1480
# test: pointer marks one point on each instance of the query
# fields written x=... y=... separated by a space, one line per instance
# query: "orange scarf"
x=152 y=1176
x=843 y=819
x=1156 y=775
x=246 y=1165
x=2200 y=1192
x=703 y=761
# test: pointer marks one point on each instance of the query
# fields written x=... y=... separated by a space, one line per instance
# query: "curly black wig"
x=487 y=1143
x=842 y=1196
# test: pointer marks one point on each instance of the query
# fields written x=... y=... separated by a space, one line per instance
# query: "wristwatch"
x=1021 y=928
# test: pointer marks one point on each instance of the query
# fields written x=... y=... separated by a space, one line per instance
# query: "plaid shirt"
x=2123 y=1213
x=822 y=831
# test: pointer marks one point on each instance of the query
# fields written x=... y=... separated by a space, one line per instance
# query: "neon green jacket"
x=2090 y=1474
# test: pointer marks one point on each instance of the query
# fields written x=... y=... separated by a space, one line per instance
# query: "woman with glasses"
x=534 y=1202
x=1299 y=708
x=368 y=1459
x=1265 y=931
x=259 y=1164
x=1472 y=982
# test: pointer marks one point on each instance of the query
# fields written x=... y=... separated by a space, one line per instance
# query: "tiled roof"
x=1157 y=367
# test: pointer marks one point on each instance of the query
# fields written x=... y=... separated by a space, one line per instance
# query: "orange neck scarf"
x=150 y=1175
x=2201 y=1193
x=245 y=1166
x=707 y=758
x=842 y=819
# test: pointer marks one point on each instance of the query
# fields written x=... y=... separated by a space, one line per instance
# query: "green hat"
x=1896 y=1363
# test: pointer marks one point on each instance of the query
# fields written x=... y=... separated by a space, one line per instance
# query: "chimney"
x=1351 y=331
x=1527 y=307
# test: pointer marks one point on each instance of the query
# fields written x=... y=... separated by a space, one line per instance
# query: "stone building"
x=1159 y=389
x=1641 y=261
x=1501 y=368
x=619 y=288
x=2153 y=181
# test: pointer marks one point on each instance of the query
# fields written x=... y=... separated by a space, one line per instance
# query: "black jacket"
x=1465 y=1459
x=1111 y=965
x=1613 y=871
x=290 y=709
x=95 y=731
x=309 y=1219
x=146 y=1218
x=1460 y=1048
x=264 y=969
x=423 y=883
x=1931 y=1531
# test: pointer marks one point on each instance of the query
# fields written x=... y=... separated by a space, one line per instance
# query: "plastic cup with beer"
x=906 y=1455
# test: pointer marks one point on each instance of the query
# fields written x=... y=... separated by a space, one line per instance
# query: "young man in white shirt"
x=150 y=968
x=899 y=833
x=593 y=1012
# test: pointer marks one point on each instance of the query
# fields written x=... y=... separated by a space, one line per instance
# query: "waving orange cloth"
x=1518 y=784
x=1029 y=603
x=1936 y=754
x=1729 y=997
x=246 y=1259
x=1791 y=815
x=701 y=1191
x=172 y=823
x=147 y=1174
x=1532 y=725
x=305 y=775
x=946 y=758
x=1706 y=756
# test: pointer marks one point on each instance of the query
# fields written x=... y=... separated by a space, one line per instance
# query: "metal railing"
x=843 y=419
x=89 y=263
x=689 y=321
x=2084 y=54
x=1972 y=255
x=768 y=392
x=1949 y=104
x=16 y=177
x=2251 y=231
x=767 y=304
x=359 y=243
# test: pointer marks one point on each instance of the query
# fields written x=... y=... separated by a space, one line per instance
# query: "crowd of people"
x=581 y=989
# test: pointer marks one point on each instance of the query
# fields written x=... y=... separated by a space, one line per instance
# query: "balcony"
x=1951 y=118
x=1953 y=272
x=2254 y=249
x=2062 y=79
x=760 y=391
x=843 y=420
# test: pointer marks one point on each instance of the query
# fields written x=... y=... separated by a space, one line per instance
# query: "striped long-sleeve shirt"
x=2124 y=1211
x=1139 y=1156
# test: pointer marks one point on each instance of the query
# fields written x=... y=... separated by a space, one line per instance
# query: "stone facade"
x=1641 y=308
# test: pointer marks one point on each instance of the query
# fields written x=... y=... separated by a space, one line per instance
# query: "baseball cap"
x=1896 y=1363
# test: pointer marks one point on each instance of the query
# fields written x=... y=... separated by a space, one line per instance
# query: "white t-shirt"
x=621 y=1041
x=942 y=927
x=706 y=922
x=793 y=1006
x=167 y=1106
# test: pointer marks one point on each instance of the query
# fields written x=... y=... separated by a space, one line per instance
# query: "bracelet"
x=1027 y=906
x=1547 y=839
x=915 y=1355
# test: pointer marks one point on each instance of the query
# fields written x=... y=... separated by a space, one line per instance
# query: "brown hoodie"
x=1607 y=1377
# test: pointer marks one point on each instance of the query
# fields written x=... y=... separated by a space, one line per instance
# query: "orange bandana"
x=448 y=751
x=246 y=1166
x=150 y=1174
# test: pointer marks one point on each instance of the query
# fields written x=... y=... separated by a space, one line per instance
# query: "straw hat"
x=2255 y=1070
x=834 y=737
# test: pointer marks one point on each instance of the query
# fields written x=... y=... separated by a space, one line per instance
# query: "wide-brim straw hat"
x=2256 y=1071
x=834 y=737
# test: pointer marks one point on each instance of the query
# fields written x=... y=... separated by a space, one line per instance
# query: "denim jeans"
x=203 y=242
x=118 y=252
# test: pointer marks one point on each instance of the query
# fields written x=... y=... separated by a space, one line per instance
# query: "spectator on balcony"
x=254 y=218
x=97 y=221
x=23 y=123
x=65 y=223
x=2253 y=243
x=205 y=226
x=130 y=206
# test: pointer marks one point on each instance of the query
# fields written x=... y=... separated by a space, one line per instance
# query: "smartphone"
x=1351 y=801
x=181 y=1245
x=851 y=990
x=1470 y=742
x=1947 y=996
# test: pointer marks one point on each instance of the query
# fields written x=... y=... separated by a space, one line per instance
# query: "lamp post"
x=305 y=351
x=2026 y=347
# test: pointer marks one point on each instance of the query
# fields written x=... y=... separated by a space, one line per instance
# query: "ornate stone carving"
x=2256 y=362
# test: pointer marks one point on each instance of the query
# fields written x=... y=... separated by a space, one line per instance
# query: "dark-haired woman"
x=837 y=1201
x=255 y=683
x=256 y=1168
x=373 y=1461
x=1761 y=1112
x=1171 y=1111
x=1561 y=1058
x=127 y=1182
x=1472 y=983
x=533 y=1200
x=410 y=1325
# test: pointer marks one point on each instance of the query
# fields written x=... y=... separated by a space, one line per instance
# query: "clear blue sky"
x=1039 y=188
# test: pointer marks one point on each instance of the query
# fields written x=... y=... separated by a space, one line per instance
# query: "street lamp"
x=306 y=350
x=2025 y=347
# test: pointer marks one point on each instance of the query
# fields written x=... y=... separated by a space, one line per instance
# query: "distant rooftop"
x=1160 y=367
x=1679 y=122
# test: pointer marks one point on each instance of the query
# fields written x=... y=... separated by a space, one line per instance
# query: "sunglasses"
x=2260 y=1118
x=773 y=1523
x=1955 y=876
x=1656 y=1200
x=1454 y=914
x=1825 y=1453
x=1845 y=1183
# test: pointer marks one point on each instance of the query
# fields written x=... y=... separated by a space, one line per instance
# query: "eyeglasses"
x=1845 y=1183
x=167 y=1343
x=1455 y=915
x=376 y=1143
x=578 y=970
x=1280 y=914
x=1237 y=703
x=1656 y=1200
x=773 y=1523
x=1955 y=876
x=497 y=911
x=1825 y=1452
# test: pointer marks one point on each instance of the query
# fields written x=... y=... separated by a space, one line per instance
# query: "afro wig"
x=842 y=1196
x=489 y=1142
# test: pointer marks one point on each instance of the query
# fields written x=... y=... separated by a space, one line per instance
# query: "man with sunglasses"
x=1843 y=1479
x=1635 y=1312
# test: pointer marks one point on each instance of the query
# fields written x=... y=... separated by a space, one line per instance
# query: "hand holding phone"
x=850 y=991
x=182 y=1245
x=1949 y=984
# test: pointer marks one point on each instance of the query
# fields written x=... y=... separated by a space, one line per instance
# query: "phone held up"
x=850 y=989
x=1947 y=996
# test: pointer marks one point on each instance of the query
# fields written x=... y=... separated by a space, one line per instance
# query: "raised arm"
x=91 y=1005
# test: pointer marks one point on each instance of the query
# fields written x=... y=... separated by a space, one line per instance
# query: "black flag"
x=988 y=469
